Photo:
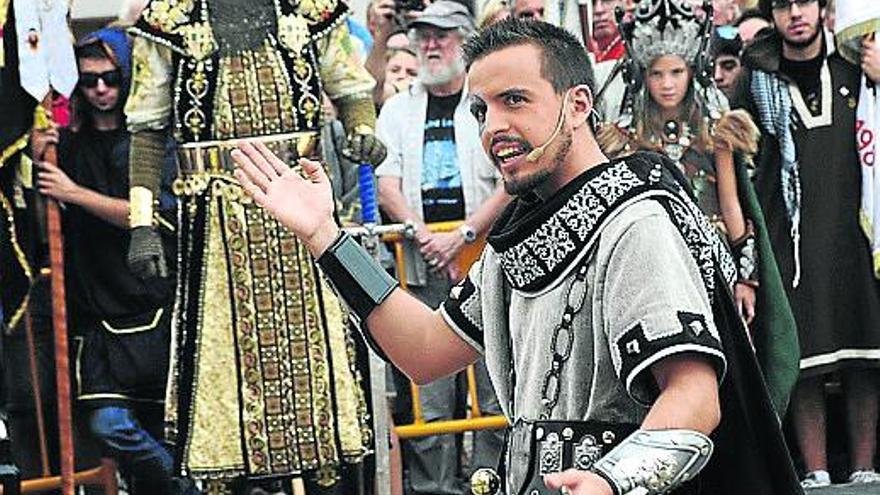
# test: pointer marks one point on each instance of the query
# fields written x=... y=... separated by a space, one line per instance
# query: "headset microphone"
x=538 y=152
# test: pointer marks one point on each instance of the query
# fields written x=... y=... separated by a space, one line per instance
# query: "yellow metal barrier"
x=476 y=421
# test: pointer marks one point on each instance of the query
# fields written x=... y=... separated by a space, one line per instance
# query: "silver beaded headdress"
x=667 y=27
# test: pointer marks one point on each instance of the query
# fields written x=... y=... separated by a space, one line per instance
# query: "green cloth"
x=774 y=330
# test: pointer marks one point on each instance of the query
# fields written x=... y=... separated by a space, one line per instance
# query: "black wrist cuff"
x=745 y=254
x=358 y=279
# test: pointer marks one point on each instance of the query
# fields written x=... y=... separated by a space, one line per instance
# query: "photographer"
x=387 y=21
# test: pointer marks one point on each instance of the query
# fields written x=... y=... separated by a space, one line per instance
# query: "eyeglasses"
x=111 y=78
x=418 y=36
x=786 y=4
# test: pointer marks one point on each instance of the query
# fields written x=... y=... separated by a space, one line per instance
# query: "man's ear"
x=581 y=104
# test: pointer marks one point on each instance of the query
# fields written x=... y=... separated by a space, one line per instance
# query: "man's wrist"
x=322 y=239
x=78 y=195
x=467 y=233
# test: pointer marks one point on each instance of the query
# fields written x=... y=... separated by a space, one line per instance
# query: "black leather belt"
x=536 y=448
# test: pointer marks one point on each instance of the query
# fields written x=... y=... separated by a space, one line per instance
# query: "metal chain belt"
x=562 y=341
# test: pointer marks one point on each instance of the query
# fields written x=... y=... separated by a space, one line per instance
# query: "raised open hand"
x=300 y=198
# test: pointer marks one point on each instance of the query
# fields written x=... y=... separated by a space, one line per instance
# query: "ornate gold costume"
x=263 y=369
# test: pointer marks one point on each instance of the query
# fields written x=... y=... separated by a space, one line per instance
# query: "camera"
x=408 y=5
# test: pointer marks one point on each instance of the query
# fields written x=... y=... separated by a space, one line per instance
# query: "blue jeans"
x=139 y=455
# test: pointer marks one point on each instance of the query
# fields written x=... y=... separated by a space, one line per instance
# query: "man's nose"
x=493 y=124
x=431 y=42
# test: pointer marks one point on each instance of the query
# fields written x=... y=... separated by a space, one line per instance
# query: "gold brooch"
x=317 y=10
x=166 y=15
x=293 y=32
x=198 y=38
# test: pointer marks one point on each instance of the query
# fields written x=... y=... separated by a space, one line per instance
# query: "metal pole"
x=370 y=241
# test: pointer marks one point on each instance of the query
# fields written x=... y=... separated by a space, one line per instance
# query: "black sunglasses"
x=785 y=4
x=111 y=78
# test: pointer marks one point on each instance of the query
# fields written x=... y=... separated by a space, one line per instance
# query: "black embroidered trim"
x=452 y=307
x=638 y=353
x=537 y=243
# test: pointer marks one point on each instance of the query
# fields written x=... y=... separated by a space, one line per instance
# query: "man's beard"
x=442 y=75
x=94 y=109
x=817 y=31
x=539 y=177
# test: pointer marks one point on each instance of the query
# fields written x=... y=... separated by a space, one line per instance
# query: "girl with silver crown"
x=674 y=108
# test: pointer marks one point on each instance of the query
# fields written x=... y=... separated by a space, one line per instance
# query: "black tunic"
x=122 y=322
x=837 y=302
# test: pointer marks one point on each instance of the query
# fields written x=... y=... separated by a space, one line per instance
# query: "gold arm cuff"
x=363 y=129
x=355 y=112
x=140 y=207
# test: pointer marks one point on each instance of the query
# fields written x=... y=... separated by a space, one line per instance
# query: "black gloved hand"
x=146 y=256
x=365 y=148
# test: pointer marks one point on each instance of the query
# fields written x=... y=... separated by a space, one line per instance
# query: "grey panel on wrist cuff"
x=361 y=282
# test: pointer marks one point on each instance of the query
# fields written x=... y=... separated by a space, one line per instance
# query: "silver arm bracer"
x=655 y=462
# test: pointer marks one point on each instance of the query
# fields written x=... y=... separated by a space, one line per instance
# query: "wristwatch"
x=467 y=233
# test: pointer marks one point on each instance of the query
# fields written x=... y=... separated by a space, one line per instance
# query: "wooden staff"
x=59 y=322
x=37 y=390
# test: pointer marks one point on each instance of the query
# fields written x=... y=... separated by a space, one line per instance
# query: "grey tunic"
x=624 y=251
x=645 y=300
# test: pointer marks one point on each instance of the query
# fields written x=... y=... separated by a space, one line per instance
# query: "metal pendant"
x=587 y=452
x=551 y=454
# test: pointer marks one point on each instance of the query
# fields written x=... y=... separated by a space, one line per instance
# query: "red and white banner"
x=867 y=127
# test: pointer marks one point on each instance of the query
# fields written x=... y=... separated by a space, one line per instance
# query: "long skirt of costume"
x=263 y=376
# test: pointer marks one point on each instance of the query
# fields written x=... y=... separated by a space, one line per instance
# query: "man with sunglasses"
x=121 y=324
x=804 y=96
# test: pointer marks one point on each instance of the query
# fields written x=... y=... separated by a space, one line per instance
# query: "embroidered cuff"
x=140 y=207
x=745 y=253
x=639 y=351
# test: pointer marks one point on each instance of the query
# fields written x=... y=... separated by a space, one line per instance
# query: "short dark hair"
x=765 y=6
x=721 y=45
x=564 y=62
x=93 y=49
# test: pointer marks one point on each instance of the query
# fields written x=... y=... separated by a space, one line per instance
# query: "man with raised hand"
x=601 y=302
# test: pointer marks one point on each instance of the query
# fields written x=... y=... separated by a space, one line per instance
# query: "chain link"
x=562 y=342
